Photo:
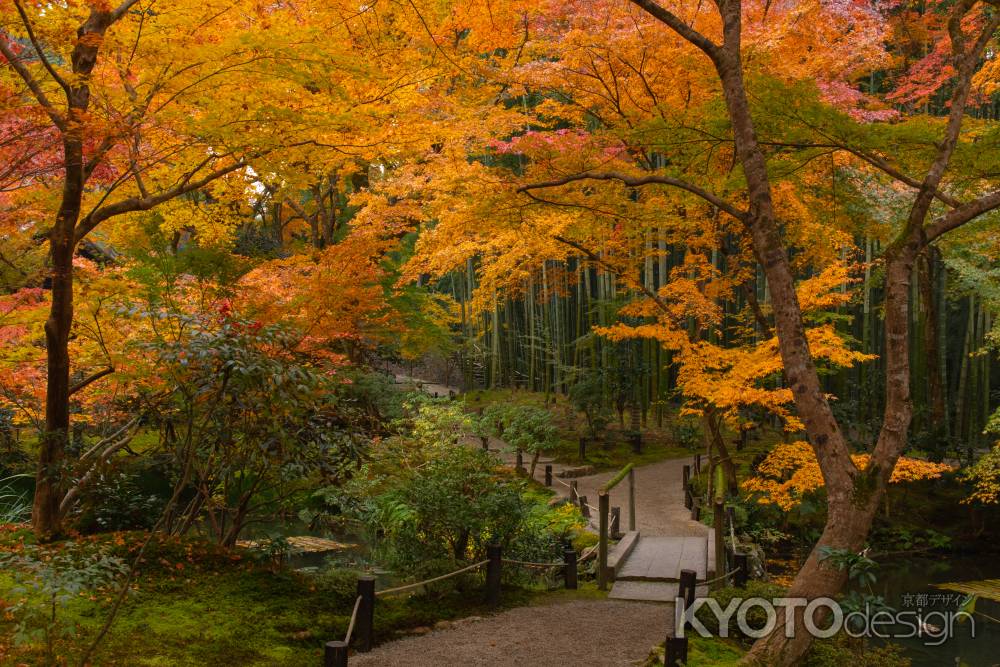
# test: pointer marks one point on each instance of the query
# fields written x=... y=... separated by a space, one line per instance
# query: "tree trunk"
x=46 y=517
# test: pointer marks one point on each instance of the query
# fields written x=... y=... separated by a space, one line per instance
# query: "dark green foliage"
x=587 y=397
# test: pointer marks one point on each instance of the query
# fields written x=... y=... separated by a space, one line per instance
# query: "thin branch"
x=654 y=9
x=597 y=259
x=133 y=204
x=38 y=48
x=121 y=9
x=637 y=181
x=91 y=379
x=961 y=215
x=32 y=84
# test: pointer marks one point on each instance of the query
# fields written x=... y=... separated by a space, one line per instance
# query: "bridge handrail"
x=617 y=479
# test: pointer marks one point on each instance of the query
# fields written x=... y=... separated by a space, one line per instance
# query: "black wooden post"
x=686 y=588
x=583 y=448
x=741 y=573
x=486 y=442
x=675 y=652
x=574 y=490
x=584 y=507
x=569 y=570
x=493 y=554
x=520 y=462
x=695 y=511
x=615 y=524
x=631 y=499
x=435 y=394
x=718 y=525
x=365 y=625
x=635 y=438
x=335 y=654
x=697 y=464
x=686 y=477
x=603 y=507
x=548 y=475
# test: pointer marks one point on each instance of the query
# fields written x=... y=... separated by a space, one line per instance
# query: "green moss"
x=198 y=605
x=704 y=652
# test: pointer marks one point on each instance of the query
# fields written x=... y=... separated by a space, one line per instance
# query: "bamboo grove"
x=542 y=339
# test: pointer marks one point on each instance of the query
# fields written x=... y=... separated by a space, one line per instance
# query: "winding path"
x=597 y=633
x=590 y=633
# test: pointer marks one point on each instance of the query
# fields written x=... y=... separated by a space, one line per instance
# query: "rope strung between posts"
x=354 y=617
x=407 y=587
x=587 y=554
x=530 y=564
x=719 y=578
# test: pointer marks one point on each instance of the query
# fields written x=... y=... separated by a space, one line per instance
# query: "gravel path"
x=599 y=633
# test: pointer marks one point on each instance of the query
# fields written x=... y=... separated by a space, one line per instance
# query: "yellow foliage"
x=791 y=470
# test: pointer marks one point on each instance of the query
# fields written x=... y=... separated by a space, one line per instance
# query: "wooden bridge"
x=649 y=568
x=647 y=561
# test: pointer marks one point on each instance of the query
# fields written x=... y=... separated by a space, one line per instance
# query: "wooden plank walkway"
x=652 y=570
x=663 y=558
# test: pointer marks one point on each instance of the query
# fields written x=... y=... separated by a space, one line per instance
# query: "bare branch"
x=654 y=9
x=637 y=181
x=33 y=85
x=959 y=216
x=133 y=204
x=594 y=257
x=122 y=8
x=38 y=48
x=90 y=379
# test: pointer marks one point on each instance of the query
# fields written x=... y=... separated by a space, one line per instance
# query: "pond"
x=903 y=583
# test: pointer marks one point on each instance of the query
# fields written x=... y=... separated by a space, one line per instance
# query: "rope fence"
x=354 y=618
x=363 y=615
x=525 y=563
x=400 y=589
x=719 y=578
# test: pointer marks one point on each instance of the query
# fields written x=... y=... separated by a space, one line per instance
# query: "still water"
x=907 y=585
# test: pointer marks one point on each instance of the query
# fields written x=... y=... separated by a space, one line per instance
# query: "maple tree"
x=701 y=126
x=140 y=108
x=791 y=470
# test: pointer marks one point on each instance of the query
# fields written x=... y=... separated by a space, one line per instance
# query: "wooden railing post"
x=569 y=570
x=685 y=590
x=603 y=506
x=686 y=482
x=365 y=625
x=675 y=652
x=548 y=474
x=335 y=654
x=741 y=574
x=574 y=491
x=494 y=556
x=583 y=448
x=631 y=499
x=519 y=465
x=697 y=464
x=718 y=525
x=695 y=510
x=584 y=507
